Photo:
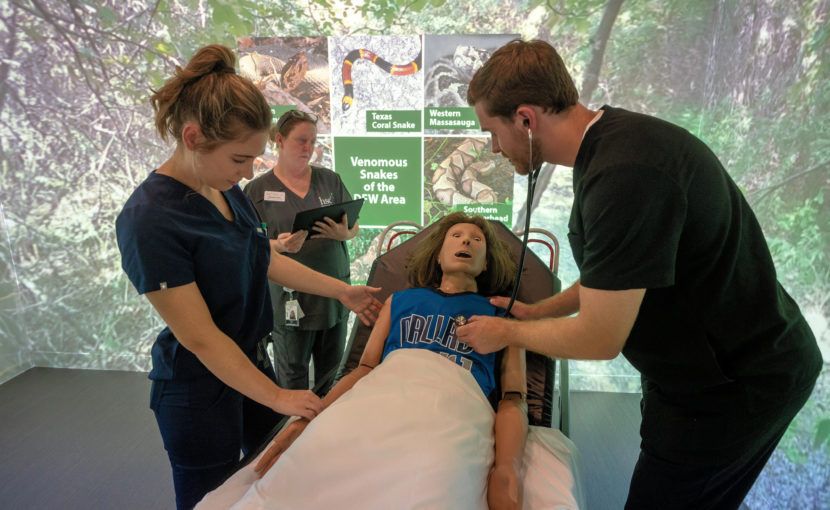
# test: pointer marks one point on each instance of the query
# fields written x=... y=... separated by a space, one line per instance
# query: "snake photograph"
x=395 y=70
x=290 y=71
x=463 y=171
x=394 y=82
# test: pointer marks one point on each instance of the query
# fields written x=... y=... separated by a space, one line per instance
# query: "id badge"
x=292 y=313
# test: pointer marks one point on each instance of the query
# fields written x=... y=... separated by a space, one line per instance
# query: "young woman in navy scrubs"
x=191 y=242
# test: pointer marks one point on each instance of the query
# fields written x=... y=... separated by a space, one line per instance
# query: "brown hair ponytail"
x=209 y=93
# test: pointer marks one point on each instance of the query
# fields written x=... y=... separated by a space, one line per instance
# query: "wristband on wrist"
x=513 y=395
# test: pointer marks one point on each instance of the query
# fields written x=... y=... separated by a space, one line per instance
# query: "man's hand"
x=330 y=229
x=361 y=300
x=485 y=334
x=290 y=243
x=519 y=310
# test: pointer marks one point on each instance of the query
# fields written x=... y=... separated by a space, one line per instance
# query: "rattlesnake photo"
x=448 y=77
x=290 y=71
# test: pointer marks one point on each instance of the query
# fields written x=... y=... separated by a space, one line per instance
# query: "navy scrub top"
x=169 y=235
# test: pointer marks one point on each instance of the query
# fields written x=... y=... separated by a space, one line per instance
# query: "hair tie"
x=223 y=68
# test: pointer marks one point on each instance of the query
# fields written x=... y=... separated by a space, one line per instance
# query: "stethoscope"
x=532 y=176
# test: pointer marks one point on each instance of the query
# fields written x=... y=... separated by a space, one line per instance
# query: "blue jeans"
x=205 y=425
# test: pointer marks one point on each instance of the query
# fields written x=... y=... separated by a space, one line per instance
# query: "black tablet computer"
x=304 y=220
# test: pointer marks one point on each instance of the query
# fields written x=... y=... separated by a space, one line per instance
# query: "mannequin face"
x=224 y=166
x=464 y=250
x=297 y=149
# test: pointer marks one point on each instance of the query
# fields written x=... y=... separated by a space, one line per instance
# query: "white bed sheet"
x=414 y=433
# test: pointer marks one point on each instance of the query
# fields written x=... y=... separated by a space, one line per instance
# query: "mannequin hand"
x=284 y=439
x=291 y=243
x=504 y=488
x=330 y=229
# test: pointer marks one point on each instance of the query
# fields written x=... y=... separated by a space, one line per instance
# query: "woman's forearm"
x=290 y=273
x=224 y=358
x=353 y=231
x=185 y=312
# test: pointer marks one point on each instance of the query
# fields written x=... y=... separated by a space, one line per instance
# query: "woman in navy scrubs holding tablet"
x=192 y=243
x=306 y=326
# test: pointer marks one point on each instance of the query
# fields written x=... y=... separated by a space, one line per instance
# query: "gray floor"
x=86 y=439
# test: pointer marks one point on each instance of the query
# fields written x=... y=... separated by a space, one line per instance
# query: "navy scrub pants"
x=204 y=425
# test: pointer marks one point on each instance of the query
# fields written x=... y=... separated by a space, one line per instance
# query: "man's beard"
x=521 y=163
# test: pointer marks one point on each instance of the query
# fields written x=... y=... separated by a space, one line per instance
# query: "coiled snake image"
x=362 y=54
x=448 y=77
x=289 y=71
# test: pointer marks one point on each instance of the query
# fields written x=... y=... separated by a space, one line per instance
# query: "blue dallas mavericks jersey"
x=423 y=318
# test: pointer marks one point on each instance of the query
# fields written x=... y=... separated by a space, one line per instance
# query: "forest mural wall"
x=750 y=78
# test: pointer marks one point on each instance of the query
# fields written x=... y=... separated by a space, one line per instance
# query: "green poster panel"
x=393 y=121
x=451 y=118
x=386 y=173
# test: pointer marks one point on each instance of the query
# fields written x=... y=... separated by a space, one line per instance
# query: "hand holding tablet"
x=304 y=220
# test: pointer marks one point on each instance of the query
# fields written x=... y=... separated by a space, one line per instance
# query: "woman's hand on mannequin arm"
x=370 y=359
x=184 y=310
x=358 y=298
x=330 y=229
x=289 y=243
x=505 y=489
x=559 y=305
x=598 y=332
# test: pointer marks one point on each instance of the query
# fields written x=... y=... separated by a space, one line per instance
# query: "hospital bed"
x=551 y=461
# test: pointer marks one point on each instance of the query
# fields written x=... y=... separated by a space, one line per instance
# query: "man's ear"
x=526 y=117
x=192 y=136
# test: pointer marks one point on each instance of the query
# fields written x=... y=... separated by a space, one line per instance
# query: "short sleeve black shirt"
x=717 y=338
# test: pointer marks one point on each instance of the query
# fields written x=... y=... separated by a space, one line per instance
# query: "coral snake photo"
x=355 y=55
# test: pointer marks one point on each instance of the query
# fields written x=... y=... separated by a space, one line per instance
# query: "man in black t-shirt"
x=675 y=273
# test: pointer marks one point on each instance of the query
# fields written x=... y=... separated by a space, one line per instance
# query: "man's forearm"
x=598 y=332
x=560 y=305
x=566 y=337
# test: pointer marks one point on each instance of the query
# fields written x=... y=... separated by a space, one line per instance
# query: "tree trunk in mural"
x=600 y=39
x=8 y=51
x=589 y=84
